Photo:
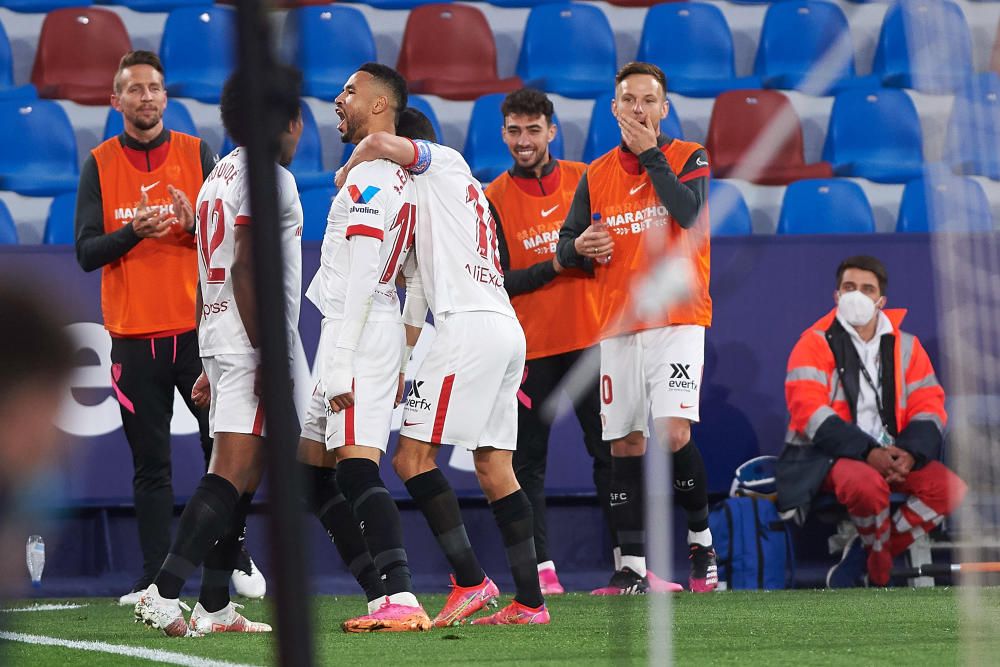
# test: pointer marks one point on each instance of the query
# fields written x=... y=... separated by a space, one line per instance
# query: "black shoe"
x=704 y=577
x=627 y=582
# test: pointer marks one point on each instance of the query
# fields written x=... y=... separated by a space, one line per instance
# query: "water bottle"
x=605 y=258
x=35 y=550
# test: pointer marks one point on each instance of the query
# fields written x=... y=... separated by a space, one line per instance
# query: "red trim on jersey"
x=364 y=230
x=697 y=173
x=242 y=220
x=442 y=409
x=258 y=419
x=349 y=438
x=416 y=155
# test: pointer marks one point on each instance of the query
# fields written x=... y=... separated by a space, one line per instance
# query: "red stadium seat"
x=449 y=51
x=742 y=117
x=78 y=54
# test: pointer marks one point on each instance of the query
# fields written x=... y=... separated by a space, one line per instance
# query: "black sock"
x=627 y=498
x=513 y=516
x=436 y=499
x=379 y=517
x=691 y=486
x=329 y=505
x=220 y=561
x=205 y=519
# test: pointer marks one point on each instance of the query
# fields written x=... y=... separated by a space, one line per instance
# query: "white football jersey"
x=378 y=200
x=223 y=204
x=457 y=237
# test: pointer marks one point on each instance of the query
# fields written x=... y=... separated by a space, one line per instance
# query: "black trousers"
x=145 y=372
x=542 y=377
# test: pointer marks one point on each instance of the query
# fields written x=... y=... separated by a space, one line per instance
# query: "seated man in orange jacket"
x=866 y=418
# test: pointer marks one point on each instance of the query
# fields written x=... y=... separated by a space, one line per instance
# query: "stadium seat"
x=806 y=45
x=42 y=6
x=157 y=5
x=924 y=44
x=39 y=148
x=568 y=49
x=198 y=50
x=398 y=4
x=727 y=210
x=972 y=143
x=421 y=103
x=315 y=207
x=307 y=165
x=825 y=206
x=449 y=51
x=175 y=117
x=521 y=3
x=942 y=202
x=744 y=125
x=875 y=135
x=692 y=44
x=485 y=151
x=8 y=90
x=604 y=133
x=8 y=231
x=635 y=3
x=59 y=227
x=327 y=44
x=78 y=54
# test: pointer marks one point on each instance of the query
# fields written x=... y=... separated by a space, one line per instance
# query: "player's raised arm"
x=380 y=146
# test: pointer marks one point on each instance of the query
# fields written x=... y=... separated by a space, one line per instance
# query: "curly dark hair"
x=528 y=102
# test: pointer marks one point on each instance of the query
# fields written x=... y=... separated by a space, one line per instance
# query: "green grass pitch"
x=857 y=627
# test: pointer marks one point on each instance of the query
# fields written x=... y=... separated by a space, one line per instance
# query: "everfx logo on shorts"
x=680 y=377
x=414 y=401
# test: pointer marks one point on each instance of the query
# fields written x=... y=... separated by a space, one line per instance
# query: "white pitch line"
x=45 y=607
x=157 y=655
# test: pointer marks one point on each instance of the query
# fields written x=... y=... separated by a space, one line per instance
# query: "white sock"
x=635 y=563
x=406 y=599
x=702 y=537
x=618 y=558
x=547 y=565
x=375 y=604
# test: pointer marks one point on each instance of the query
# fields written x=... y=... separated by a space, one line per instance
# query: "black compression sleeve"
x=683 y=200
x=577 y=221
x=94 y=248
x=520 y=281
x=207 y=161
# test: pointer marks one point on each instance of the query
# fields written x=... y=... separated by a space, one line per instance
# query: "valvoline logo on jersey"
x=359 y=196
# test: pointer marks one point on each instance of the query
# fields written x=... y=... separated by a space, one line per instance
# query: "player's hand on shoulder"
x=340 y=177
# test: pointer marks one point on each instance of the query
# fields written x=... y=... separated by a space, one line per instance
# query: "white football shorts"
x=376 y=378
x=465 y=391
x=655 y=373
x=235 y=407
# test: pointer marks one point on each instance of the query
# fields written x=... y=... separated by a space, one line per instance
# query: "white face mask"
x=856 y=308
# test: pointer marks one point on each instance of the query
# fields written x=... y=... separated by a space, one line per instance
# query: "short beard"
x=146 y=125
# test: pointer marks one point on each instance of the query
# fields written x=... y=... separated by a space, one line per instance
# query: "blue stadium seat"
x=328 y=44
x=315 y=207
x=156 y=5
x=42 y=6
x=604 y=133
x=825 y=206
x=59 y=224
x=875 y=135
x=175 y=117
x=485 y=151
x=943 y=202
x=8 y=91
x=198 y=50
x=8 y=231
x=972 y=144
x=692 y=44
x=568 y=49
x=39 y=152
x=924 y=44
x=727 y=210
x=806 y=45
x=307 y=165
